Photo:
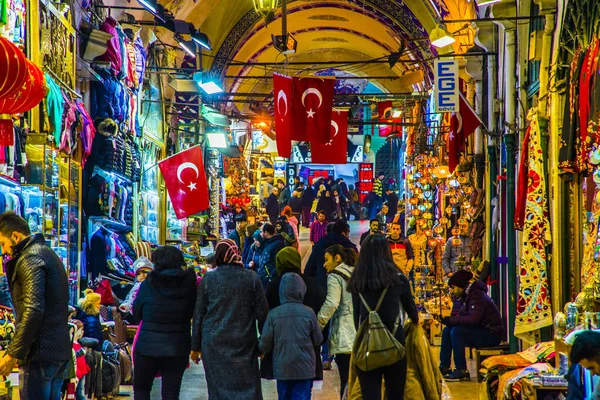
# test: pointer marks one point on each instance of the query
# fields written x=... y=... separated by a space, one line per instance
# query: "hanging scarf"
x=533 y=304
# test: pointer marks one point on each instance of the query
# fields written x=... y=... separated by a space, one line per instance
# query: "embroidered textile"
x=533 y=304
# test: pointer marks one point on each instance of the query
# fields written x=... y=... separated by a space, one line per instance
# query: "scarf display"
x=533 y=304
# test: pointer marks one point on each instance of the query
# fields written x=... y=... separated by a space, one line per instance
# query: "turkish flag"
x=336 y=151
x=384 y=114
x=462 y=124
x=186 y=182
x=282 y=92
x=312 y=104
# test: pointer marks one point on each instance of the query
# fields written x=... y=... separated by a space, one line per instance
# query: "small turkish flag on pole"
x=336 y=151
x=312 y=105
x=186 y=182
x=462 y=124
x=384 y=114
x=282 y=90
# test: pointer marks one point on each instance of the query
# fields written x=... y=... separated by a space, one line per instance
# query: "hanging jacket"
x=113 y=52
x=338 y=310
x=291 y=332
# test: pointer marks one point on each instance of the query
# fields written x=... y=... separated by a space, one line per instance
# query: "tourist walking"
x=230 y=307
x=307 y=199
x=272 y=206
x=165 y=304
x=40 y=293
x=375 y=273
x=327 y=204
x=272 y=243
x=338 y=308
x=291 y=332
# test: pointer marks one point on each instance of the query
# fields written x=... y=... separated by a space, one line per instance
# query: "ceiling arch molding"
x=395 y=15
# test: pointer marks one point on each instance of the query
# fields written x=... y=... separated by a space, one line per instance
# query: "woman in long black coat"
x=230 y=304
x=165 y=304
x=327 y=204
x=288 y=260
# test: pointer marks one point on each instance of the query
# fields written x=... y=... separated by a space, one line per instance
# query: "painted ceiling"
x=326 y=30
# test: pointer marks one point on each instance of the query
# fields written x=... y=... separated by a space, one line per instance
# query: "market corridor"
x=194 y=382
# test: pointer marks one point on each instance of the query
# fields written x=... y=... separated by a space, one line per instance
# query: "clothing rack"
x=62 y=84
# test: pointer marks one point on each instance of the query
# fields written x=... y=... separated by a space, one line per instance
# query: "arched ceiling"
x=326 y=30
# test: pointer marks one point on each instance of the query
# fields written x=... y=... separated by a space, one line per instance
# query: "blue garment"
x=294 y=390
x=456 y=338
x=42 y=380
x=325 y=352
x=5 y=299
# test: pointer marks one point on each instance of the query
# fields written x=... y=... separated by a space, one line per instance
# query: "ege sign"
x=446 y=86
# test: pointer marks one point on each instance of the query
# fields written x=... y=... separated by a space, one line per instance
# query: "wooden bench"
x=482 y=353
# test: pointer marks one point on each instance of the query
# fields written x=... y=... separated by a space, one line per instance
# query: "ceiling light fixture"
x=202 y=40
x=188 y=45
x=482 y=3
x=396 y=113
x=210 y=87
x=150 y=5
x=440 y=37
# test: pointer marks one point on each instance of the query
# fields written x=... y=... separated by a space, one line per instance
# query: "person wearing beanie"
x=475 y=322
x=142 y=267
x=289 y=260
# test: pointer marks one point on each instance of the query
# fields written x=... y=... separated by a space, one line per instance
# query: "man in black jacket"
x=40 y=292
x=315 y=265
x=392 y=202
x=272 y=207
x=271 y=246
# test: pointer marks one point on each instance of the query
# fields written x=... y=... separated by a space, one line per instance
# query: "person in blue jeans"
x=475 y=322
x=40 y=293
x=5 y=299
x=291 y=332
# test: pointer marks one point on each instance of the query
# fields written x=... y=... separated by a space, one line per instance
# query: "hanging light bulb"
x=413 y=201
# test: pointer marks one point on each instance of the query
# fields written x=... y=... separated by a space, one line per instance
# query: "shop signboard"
x=292 y=172
x=365 y=178
x=446 y=86
x=358 y=155
x=279 y=169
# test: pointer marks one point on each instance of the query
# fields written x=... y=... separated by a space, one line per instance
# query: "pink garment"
x=113 y=52
x=294 y=223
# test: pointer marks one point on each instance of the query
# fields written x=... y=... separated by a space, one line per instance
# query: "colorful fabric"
x=317 y=231
x=504 y=362
x=227 y=252
x=533 y=304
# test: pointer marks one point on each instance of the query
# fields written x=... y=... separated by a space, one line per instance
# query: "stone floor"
x=194 y=382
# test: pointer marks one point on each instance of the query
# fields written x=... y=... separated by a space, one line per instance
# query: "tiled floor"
x=194 y=382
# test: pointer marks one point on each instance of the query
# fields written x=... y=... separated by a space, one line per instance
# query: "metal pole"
x=284 y=19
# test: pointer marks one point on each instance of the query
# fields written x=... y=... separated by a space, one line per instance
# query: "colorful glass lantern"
x=416 y=212
x=265 y=8
x=428 y=215
x=413 y=201
x=455 y=231
x=432 y=242
x=428 y=232
x=438 y=229
x=443 y=220
x=456 y=242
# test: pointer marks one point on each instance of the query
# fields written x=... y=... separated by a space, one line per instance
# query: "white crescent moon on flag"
x=312 y=91
x=459 y=119
x=281 y=95
x=185 y=166
x=385 y=112
x=336 y=127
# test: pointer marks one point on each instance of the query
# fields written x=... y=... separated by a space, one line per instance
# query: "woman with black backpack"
x=376 y=285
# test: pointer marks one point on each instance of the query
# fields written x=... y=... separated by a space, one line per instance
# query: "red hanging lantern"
x=29 y=95
x=14 y=62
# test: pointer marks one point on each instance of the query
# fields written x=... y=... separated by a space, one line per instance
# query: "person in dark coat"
x=291 y=333
x=478 y=324
x=307 y=199
x=40 y=293
x=272 y=243
x=284 y=194
x=315 y=265
x=272 y=207
x=165 y=304
x=230 y=307
x=341 y=204
x=295 y=204
x=392 y=202
x=327 y=204
x=289 y=261
x=238 y=235
x=252 y=259
x=376 y=279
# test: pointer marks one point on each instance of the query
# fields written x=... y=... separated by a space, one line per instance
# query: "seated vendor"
x=475 y=322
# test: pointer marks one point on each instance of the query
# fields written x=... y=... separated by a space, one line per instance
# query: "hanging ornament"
x=444 y=220
x=428 y=205
x=428 y=215
x=421 y=222
x=29 y=95
x=456 y=231
x=13 y=63
x=413 y=201
x=428 y=232
x=416 y=212
x=438 y=229
x=432 y=242
x=456 y=242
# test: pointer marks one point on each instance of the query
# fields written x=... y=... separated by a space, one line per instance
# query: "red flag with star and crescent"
x=186 y=182
x=336 y=151
x=312 y=105
x=384 y=114
x=462 y=124
x=282 y=94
